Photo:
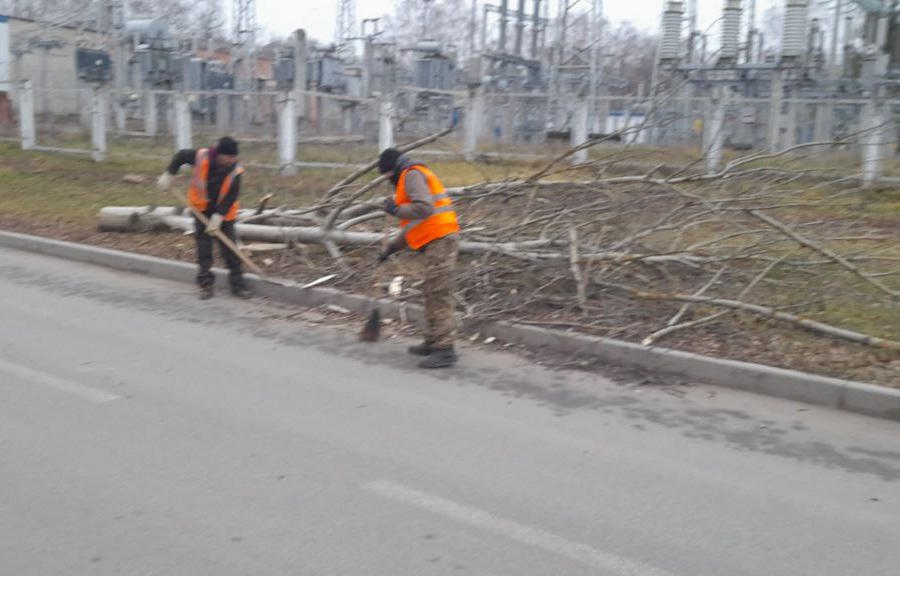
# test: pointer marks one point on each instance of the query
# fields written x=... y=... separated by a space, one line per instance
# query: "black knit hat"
x=388 y=160
x=227 y=146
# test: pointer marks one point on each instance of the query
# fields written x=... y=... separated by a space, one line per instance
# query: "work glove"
x=215 y=222
x=390 y=206
x=165 y=181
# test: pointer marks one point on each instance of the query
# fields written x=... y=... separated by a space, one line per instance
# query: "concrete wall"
x=54 y=67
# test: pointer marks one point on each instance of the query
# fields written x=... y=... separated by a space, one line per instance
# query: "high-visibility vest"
x=197 y=192
x=442 y=221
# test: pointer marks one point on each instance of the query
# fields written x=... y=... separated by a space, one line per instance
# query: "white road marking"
x=64 y=385
x=537 y=538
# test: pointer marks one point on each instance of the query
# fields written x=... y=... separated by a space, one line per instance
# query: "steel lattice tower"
x=244 y=22
x=345 y=25
x=244 y=30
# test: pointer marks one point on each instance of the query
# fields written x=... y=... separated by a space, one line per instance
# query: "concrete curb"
x=851 y=396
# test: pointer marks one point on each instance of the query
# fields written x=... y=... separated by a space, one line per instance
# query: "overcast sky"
x=317 y=17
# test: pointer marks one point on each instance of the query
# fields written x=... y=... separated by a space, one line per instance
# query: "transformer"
x=437 y=73
x=93 y=65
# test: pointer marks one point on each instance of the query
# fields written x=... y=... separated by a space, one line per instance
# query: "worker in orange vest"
x=428 y=224
x=214 y=188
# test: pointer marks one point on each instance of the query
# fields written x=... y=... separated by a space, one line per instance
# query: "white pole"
x=27 y=128
x=223 y=113
x=182 y=123
x=151 y=114
x=775 y=113
x=474 y=112
x=300 y=56
x=835 y=28
x=287 y=135
x=824 y=117
x=385 y=125
x=874 y=122
x=580 y=130
x=716 y=136
x=98 y=125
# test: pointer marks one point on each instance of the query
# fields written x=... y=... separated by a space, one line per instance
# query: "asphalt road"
x=145 y=432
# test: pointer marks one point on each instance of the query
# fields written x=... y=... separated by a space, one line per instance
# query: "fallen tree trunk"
x=136 y=218
x=319 y=235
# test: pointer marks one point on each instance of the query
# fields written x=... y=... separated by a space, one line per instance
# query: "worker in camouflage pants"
x=440 y=284
x=428 y=224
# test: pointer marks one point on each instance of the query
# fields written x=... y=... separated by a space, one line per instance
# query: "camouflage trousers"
x=440 y=284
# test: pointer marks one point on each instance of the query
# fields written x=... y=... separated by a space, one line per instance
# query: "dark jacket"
x=216 y=177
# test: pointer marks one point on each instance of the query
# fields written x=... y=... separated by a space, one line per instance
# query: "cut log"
x=263 y=247
x=136 y=218
x=147 y=218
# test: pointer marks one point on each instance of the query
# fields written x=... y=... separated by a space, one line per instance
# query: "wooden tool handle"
x=222 y=237
x=228 y=243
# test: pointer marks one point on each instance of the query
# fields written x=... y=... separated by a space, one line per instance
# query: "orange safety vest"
x=197 y=193
x=441 y=223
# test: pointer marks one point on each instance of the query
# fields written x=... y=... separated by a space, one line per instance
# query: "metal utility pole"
x=504 y=8
x=596 y=47
x=561 y=59
x=115 y=32
x=245 y=27
x=484 y=27
x=692 y=31
x=114 y=28
x=535 y=29
x=426 y=19
x=244 y=21
x=835 y=26
x=751 y=31
x=345 y=27
x=473 y=26
x=300 y=57
x=563 y=24
x=520 y=26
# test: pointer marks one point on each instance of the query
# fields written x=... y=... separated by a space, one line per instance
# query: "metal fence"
x=287 y=130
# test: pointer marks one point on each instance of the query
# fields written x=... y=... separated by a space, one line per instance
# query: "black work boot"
x=242 y=292
x=423 y=349
x=206 y=292
x=440 y=358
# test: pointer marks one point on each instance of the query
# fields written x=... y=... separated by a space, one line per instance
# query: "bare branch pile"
x=638 y=256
